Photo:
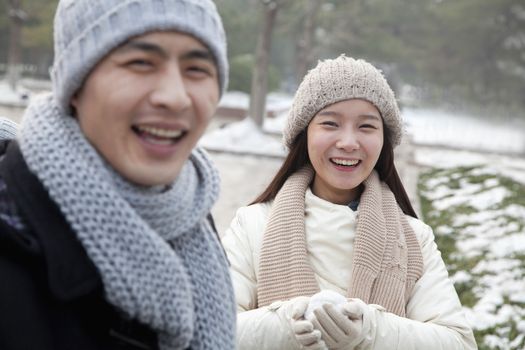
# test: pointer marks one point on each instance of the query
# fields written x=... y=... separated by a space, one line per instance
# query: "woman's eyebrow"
x=370 y=116
x=329 y=113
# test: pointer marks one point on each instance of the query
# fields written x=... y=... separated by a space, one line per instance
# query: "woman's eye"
x=329 y=123
x=368 y=126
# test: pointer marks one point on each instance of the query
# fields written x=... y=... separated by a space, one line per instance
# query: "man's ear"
x=74 y=103
x=74 y=100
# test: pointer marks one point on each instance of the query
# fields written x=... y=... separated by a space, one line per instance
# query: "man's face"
x=146 y=104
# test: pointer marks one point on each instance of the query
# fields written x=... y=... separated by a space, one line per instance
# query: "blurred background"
x=458 y=70
x=466 y=54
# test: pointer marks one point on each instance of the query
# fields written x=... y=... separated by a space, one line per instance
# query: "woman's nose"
x=347 y=141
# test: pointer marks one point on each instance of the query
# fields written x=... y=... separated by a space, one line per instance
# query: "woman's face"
x=344 y=143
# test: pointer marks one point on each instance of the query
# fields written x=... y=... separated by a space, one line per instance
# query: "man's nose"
x=170 y=91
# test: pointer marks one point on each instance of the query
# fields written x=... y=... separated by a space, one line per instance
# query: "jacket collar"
x=70 y=272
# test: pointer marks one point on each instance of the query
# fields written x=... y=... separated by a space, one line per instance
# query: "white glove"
x=341 y=327
x=307 y=336
x=303 y=330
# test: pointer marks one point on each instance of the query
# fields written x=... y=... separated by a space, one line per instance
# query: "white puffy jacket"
x=434 y=315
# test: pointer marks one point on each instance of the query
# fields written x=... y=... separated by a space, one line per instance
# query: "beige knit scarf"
x=387 y=257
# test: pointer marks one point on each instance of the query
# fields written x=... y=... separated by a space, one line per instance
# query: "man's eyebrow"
x=144 y=46
x=201 y=54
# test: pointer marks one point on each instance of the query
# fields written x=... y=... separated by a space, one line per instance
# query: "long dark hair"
x=298 y=157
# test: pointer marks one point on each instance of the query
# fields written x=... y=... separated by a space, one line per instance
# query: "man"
x=105 y=236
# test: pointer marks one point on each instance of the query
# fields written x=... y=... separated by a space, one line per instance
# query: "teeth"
x=157 y=141
x=166 y=133
x=345 y=162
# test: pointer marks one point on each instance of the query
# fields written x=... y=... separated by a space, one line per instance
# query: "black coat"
x=51 y=294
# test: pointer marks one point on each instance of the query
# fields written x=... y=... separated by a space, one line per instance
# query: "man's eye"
x=139 y=63
x=199 y=70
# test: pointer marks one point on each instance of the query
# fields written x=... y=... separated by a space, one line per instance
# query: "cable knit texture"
x=87 y=30
x=335 y=80
x=158 y=257
x=387 y=259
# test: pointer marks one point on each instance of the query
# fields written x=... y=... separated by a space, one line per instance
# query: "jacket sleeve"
x=435 y=319
x=264 y=328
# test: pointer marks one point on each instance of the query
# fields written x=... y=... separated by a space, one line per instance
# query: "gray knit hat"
x=335 y=80
x=87 y=30
x=8 y=129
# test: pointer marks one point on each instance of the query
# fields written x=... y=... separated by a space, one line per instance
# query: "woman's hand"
x=340 y=327
x=307 y=336
x=303 y=330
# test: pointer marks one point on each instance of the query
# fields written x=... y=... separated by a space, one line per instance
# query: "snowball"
x=323 y=297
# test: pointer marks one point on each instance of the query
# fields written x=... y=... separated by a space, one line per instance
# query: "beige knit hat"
x=339 y=79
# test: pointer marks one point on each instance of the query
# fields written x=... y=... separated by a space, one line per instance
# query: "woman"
x=336 y=217
x=105 y=236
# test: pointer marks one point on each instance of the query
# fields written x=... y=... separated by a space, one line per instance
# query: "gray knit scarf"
x=159 y=260
x=387 y=257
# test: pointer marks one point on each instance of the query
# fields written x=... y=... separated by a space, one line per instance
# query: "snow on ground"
x=484 y=213
x=275 y=125
x=16 y=98
x=238 y=99
x=438 y=128
x=235 y=99
x=507 y=165
x=243 y=138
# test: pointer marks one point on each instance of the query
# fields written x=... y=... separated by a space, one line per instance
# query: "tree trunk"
x=16 y=18
x=260 y=69
x=305 y=43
